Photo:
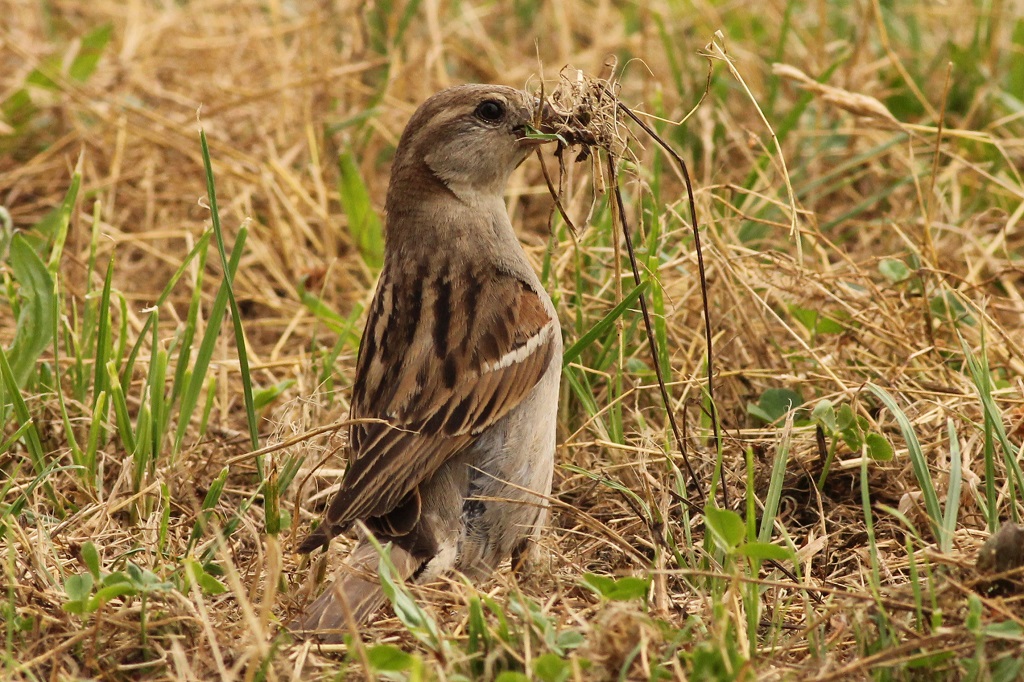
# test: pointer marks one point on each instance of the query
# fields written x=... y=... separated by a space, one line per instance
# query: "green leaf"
x=824 y=413
x=363 y=223
x=115 y=578
x=78 y=587
x=551 y=668
x=617 y=589
x=90 y=52
x=134 y=573
x=210 y=585
x=948 y=305
x=849 y=428
x=82 y=66
x=1015 y=74
x=1008 y=669
x=91 y=558
x=1006 y=629
x=573 y=639
x=726 y=525
x=265 y=396
x=894 y=270
x=879 y=447
x=972 y=622
x=76 y=607
x=763 y=551
x=35 y=320
x=18 y=109
x=774 y=404
x=39 y=76
x=511 y=676
x=388 y=658
x=815 y=321
x=105 y=594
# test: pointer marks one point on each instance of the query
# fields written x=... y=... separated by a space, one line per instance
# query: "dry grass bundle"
x=586 y=113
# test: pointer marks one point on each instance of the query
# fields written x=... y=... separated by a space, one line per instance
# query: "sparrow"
x=452 y=440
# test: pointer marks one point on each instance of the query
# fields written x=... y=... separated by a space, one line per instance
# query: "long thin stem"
x=703 y=290
x=620 y=207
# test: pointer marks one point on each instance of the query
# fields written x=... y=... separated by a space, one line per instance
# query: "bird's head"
x=470 y=138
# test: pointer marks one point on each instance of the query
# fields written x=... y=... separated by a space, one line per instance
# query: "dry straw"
x=586 y=113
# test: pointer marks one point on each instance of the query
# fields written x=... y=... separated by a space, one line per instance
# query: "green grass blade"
x=63 y=219
x=99 y=384
x=953 y=494
x=416 y=620
x=34 y=325
x=581 y=389
x=121 y=414
x=991 y=505
x=604 y=325
x=774 y=496
x=27 y=429
x=363 y=222
x=77 y=455
x=344 y=327
x=211 y=395
x=191 y=390
x=236 y=317
x=917 y=460
x=982 y=378
x=192 y=319
x=198 y=250
x=210 y=501
x=96 y=429
x=143 y=454
x=22 y=414
x=157 y=397
x=15 y=437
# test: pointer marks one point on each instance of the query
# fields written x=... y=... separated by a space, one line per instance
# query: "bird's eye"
x=491 y=111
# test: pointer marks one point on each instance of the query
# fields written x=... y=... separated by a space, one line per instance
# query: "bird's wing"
x=439 y=372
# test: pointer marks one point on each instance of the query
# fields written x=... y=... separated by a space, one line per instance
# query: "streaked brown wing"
x=445 y=371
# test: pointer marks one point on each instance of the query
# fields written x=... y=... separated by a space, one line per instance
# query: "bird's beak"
x=541 y=129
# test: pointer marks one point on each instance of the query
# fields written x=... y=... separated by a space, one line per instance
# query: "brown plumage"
x=460 y=360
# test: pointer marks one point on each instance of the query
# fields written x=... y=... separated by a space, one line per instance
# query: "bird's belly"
x=509 y=480
x=482 y=504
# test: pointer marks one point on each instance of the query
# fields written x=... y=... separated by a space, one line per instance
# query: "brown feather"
x=429 y=423
x=355 y=593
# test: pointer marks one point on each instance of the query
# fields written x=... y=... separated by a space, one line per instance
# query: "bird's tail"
x=354 y=595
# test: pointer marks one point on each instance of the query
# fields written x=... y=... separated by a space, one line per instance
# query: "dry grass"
x=884 y=161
